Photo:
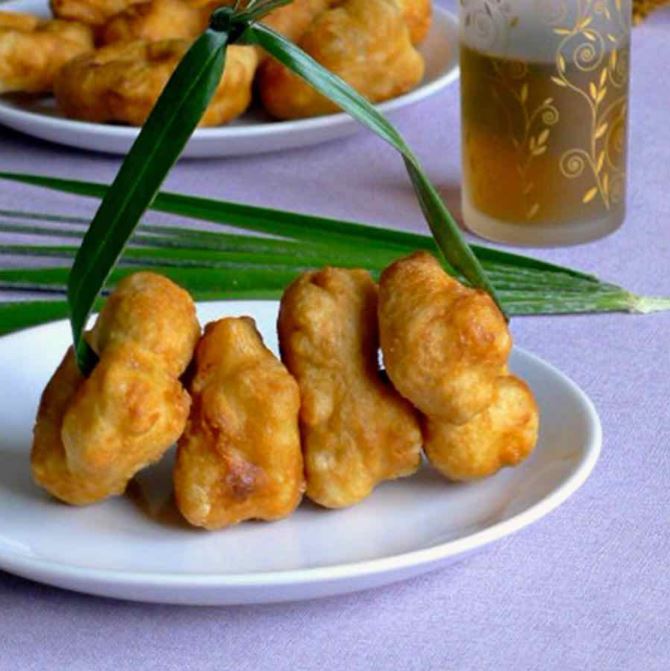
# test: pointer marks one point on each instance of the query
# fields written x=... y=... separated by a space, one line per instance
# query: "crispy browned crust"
x=91 y=12
x=154 y=21
x=240 y=456
x=93 y=434
x=122 y=82
x=444 y=344
x=32 y=51
x=365 y=42
x=503 y=434
x=418 y=15
x=445 y=348
x=293 y=20
x=356 y=430
x=154 y=313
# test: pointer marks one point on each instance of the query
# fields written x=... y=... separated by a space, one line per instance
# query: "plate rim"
x=251 y=131
x=54 y=572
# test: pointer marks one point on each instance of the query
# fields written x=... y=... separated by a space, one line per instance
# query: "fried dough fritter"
x=418 y=15
x=503 y=434
x=365 y=42
x=93 y=434
x=18 y=21
x=154 y=313
x=91 y=12
x=445 y=348
x=240 y=456
x=32 y=51
x=444 y=344
x=122 y=82
x=156 y=20
x=356 y=430
x=293 y=20
x=124 y=416
x=48 y=459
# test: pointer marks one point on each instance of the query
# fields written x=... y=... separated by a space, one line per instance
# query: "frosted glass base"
x=539 y=235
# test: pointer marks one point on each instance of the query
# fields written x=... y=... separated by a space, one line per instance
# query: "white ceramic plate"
x=136 y=547
x=253 y=133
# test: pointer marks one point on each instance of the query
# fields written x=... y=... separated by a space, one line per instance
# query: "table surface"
x=586 y=588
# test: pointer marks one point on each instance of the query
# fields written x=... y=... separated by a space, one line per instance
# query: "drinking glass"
x=544 y=96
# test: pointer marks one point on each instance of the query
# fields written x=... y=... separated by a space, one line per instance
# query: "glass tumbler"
x=544 y=96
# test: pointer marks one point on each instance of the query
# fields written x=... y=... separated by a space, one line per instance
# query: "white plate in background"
x=253 y=133
x=136 y=547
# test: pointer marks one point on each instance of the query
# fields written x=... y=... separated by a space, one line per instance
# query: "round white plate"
x=136 y=547
x=253 y=133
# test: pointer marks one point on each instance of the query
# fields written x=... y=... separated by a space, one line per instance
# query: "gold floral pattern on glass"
x=600 y=55
x=487 y=22
x=544 y=102
x=529 y=138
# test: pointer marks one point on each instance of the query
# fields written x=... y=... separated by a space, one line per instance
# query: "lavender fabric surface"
x=586 y=588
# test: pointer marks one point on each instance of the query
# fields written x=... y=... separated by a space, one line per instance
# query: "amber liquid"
x=544 y=144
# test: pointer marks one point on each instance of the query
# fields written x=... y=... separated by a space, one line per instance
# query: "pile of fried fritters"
x=109 y=60
x=254 y=432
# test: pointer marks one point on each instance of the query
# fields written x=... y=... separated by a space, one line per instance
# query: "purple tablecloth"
x=586 y=588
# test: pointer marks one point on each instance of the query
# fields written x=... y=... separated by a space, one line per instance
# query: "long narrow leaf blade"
x=43 y=216
x=23 y=314
x=181 y=257
x=171 y=254
x=219 y=283
x=248 y=217
x=314 y=229
x=158 y=146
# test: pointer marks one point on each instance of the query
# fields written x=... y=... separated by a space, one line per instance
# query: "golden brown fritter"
x=445 y=348
x=17 y=21
x=124 y=415
x=48 y=458
x=418 y=15
x=444 y=344
x=122 y=82
x=156 y=20
x=503 y=434
x=356 y=430
x=91 y=12
x=233 y=96
x=239 y=457
x=154 y=313
x=293 y=20
x=93 y=434
x=32 y=51
x=365 y=42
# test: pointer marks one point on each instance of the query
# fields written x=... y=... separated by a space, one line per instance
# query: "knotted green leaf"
x=158 y=146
